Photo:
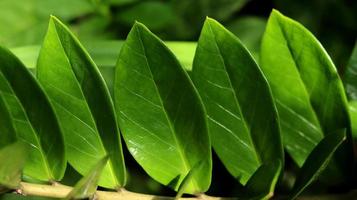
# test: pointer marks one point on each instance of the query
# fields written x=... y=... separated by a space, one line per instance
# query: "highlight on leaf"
x=171 y=137
x=242 y=117
x=82 y=103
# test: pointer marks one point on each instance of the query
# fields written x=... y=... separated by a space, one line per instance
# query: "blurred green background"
x=24 y=22
x=333 y=22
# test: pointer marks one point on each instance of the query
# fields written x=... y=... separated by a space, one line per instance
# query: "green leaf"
x=262 y=183
x=33 y=119
x=11 y=166
x=87 y=186
x=317 y=161
x=350 y=80
x=188 y=179
x=241 y=113
x=352 y=105
x=7 y=130
x=306 y=87
x=350 y=76
x=82 y=103
x=160 y=113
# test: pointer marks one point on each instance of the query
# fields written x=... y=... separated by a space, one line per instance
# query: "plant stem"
x=61 y=191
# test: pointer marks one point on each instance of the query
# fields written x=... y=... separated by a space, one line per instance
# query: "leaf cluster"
x=171 y=118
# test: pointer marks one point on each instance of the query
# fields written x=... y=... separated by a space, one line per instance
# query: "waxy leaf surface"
x=32 y=118
x=82 y=103
x=241 y=113
x=307 y=89
x=160 y=113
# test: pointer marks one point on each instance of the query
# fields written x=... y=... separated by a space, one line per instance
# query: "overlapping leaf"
x=87 y=186
x=160 y=112
x=11 y=166
x=306 y=87
x=262 y=183
x=350 y=80
x=7 y=130
x=241 y=113
x=82 y=103
x=32 y=119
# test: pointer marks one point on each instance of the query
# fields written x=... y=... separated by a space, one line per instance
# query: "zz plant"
x=170 y=117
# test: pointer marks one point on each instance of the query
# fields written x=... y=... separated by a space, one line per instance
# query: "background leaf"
x=311 y=101
x=241 y=113
x=171 y=137
x=154 y=14
x=24 y=21
x=11 y=166
x=87 y=186
x=250 y=31
x=82 y=103
x=33 y=119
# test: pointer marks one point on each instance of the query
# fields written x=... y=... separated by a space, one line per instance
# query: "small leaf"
x=33 y=119
x=82 y=103
x=187 y=180
x=241 y=113
x=160 y=113
x=262 y=183
x=317 y=161
x=307 y=89
x=12 y=161
x=87 y=186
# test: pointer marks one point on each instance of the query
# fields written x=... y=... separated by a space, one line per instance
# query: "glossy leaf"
x=307 y=89
x=160 y=112
x=317 y=161
x=241 y=113
x=87 y=186
x=262 y=183
x=11 y=166
x=82 y=103
x=32 y=118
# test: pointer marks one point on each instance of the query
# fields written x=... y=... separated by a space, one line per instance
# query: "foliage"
x=170 y=116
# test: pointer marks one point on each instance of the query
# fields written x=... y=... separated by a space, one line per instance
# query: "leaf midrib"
x=110 y=164
x=258 y=157
x=300 y=78
x=39 y=145
x=186 y=165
